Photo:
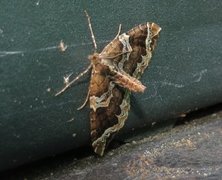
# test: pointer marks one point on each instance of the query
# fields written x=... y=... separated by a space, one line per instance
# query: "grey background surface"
x=185 y=73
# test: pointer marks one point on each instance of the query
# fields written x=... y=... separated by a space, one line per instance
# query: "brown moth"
x=115 y=73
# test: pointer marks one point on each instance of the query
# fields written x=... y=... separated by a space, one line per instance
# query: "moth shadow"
x=136 y=108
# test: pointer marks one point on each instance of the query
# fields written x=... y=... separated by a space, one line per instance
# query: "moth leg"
x=119 y=31
x=68 y=84
x=86 y=100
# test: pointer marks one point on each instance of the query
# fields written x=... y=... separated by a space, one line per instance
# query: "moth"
x=114 y=75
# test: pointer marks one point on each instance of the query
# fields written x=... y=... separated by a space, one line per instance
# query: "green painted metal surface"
x=185 y=73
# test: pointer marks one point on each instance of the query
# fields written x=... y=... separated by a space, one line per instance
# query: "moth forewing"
x=127 y=56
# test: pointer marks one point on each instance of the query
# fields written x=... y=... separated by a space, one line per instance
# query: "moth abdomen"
x=128 y=82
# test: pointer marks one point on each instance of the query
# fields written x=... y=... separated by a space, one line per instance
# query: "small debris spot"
x=70 y=120
x=48 y=89
x=62 y=46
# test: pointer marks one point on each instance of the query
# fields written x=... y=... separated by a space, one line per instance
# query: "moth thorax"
x=94 y=58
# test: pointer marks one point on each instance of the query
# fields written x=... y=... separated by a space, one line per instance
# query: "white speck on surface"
x=205 y=174
x=166 y=83
x=37 y=3
x=62 y=46
x=198 y=76
x=153 y=123
x=70 y=120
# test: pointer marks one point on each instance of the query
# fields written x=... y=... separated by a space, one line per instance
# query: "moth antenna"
x=91 y=30
x=86 y=100
x=119 y=31
x=67 y=85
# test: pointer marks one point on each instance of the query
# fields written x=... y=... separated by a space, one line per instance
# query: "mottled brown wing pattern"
x=115 y=74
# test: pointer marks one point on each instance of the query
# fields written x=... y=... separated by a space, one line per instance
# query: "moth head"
x=94 y=58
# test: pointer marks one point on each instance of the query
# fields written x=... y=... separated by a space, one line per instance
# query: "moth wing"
x=129 y=54
x=131 y=48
